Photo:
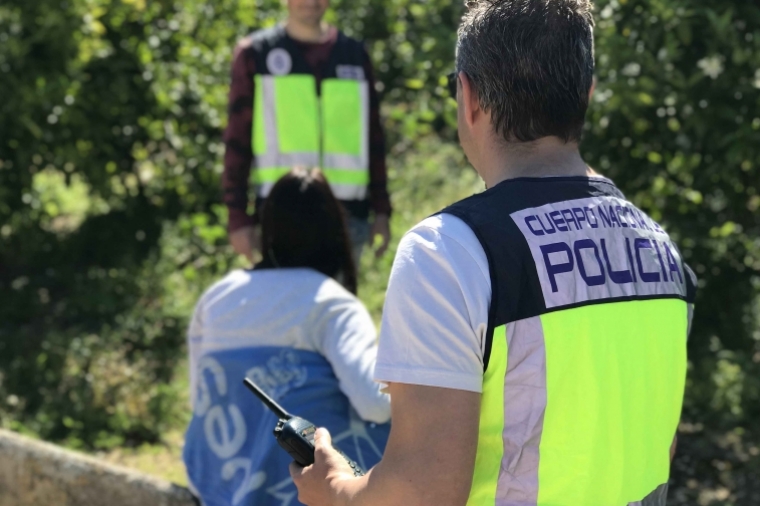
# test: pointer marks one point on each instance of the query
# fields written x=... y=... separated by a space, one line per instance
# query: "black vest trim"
x=691 y=284
x=614 y=300
x=492 y=308
x=516 y=290
x=346 y=51
x=488 y=215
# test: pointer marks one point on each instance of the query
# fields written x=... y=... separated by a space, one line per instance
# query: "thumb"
x=322 y=439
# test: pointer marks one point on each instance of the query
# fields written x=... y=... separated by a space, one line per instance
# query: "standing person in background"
x=534 y=335
x=303 y=94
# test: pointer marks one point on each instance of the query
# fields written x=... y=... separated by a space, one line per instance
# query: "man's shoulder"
x=259 y=39
x=458 y=207
x=346 y=39
x=350 y=50
x=513 y=195
x=443 y=237
x=446 y=225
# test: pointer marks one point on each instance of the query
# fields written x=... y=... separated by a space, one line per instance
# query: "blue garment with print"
x=231 y=456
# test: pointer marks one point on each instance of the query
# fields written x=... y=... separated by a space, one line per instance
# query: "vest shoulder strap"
x=346 y=51
x=691 y=284
x=350 y=49
x=264 y=40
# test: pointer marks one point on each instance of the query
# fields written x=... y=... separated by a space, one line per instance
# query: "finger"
x=324 y=452
x=296 y=470
x=383 y=246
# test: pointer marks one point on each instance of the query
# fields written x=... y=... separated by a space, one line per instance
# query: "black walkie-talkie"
x=294 y=434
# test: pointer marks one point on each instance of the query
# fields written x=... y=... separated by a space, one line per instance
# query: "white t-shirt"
x=436 y=308
x=298 y=308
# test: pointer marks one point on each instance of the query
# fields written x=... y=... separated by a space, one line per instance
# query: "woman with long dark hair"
x=293 y=324
x=303 y=225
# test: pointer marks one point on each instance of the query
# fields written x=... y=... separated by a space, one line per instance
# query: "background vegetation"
x=111 y=223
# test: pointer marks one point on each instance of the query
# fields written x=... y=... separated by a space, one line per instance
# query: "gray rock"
x=34 y=473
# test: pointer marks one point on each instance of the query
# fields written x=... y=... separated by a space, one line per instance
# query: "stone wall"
x=33 y=473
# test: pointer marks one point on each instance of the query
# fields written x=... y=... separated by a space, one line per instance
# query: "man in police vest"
x=303 y=94
x=534 y=335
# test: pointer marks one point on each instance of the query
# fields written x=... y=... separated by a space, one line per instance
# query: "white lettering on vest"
x=350 y=72
x=599 y=248
x=224 y=442
x=225 y=432
x=203 y=392
x=250 y=483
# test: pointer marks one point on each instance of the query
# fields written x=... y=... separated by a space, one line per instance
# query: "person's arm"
x=349 y=343
x=429 y=458
x=194 y=339
x=379 y=199
x=238 y=155
x=430 y=354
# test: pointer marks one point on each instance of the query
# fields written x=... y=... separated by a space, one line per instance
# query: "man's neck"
x=548 y=157
x=307 y=32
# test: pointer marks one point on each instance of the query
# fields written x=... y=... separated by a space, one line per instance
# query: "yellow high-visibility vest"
x=293 y=125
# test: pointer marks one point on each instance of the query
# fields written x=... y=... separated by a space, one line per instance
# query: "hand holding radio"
x=294 y=434
x=323 y=483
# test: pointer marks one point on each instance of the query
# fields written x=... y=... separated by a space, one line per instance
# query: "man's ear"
x=468 y=99
x=592 y=90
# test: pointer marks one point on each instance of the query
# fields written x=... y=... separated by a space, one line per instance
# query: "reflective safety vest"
x=585 y=358
x=298 y=123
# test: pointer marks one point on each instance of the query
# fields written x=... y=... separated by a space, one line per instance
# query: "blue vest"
x=230 y=454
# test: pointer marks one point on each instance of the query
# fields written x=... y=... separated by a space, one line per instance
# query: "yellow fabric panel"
x=297 y=109
x=615 y=377
x=342 y=116
x=490 y=442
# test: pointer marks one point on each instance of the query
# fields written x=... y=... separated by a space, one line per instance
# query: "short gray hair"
x=531 y=63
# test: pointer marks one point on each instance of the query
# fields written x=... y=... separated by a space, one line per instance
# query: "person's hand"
x=245 y=241
x=317 y=484
x=381 y=227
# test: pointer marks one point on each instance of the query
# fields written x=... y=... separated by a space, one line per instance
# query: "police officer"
x=534 y=335
x=302 y=94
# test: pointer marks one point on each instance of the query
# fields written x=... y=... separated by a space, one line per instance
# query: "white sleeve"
x=436 y=309
x=349 y=343
x=194 y=343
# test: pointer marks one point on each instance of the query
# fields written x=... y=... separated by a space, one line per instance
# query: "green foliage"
x=111 y=223
x=114 y=100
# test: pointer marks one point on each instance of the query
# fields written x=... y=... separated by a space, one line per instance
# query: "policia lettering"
x=584 y=232
x=585 y=357
x=296 y=123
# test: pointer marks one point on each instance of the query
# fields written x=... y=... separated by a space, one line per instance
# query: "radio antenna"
x=268 y=401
